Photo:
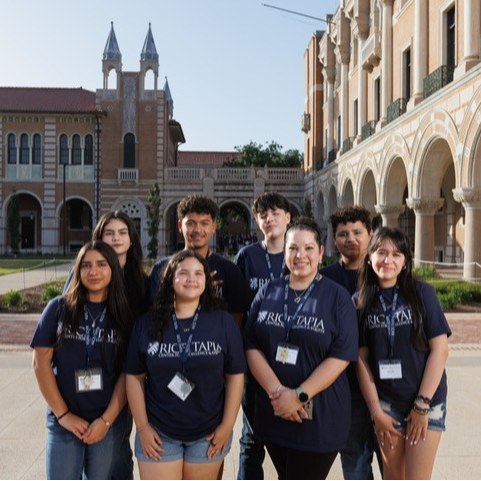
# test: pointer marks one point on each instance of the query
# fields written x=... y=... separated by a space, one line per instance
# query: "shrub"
x=427 y=272
x=51 y=291
x=12 y=298
x=452 y=293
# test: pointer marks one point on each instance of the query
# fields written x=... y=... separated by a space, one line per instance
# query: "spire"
x=149 y=52
x=168 y=98
x=111 y=51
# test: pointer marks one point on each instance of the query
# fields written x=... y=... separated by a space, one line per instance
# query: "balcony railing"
x=331 y=156
x=306 y=123
x=396 y=109
x=368 y=129
x=319 y=164
x=438 y=79
x=371 y=51
x=128 y=175
x=347 y=144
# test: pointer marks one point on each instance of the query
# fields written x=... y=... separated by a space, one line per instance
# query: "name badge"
x=181 y=386
x=287 y=354
x=390 y=369
x=87 y=380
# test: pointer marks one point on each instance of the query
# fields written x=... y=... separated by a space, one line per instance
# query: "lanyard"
x=268 y=262
x=289 y=323
x=184 y=353
x=90 y=340
x=391 y=330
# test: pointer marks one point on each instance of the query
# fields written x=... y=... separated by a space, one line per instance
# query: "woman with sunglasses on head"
x=79 y=348
x=404 y=348
x=185 y=374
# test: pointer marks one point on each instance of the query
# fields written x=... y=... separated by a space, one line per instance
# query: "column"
x=344 y=102
x=386 y=66
x=471 y=32
x=361 y=89
x=424 y=232
x=329 y=247
x=420 y=67
x=471 y=200
x=330 y=114
x=390 y=214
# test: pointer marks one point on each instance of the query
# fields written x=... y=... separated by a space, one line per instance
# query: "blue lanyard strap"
x=391 y=329
x=269 y=265
x=184 y=353
x=94 y=330
x=288 y=323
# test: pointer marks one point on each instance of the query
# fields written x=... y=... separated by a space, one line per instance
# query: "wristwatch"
x=303 y=397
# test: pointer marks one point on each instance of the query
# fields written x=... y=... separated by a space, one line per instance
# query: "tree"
x=13 y=222
x=153 y=213
x=307 y=207
x=253 y=154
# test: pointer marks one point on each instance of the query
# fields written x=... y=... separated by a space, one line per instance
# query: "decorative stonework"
x=426 y=206
x=470 y=198
x=390 y=210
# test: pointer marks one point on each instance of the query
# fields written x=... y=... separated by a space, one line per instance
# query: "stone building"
x=392 y=121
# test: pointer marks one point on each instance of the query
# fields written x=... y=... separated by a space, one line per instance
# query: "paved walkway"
x=34 y=277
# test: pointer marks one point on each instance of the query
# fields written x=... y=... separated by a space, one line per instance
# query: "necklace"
x=95 y=319
x=184 y=329
x=298 y=297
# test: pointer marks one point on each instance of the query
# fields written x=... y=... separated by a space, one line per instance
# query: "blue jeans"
x=70 y=458
x=356 y=457
x=251 y=448
x=123 y=467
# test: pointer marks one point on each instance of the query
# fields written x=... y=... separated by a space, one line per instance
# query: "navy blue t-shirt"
x=234 y=289
x=401 y=392
x=252 y=262
x=326 y=327
x=72 y=356
x=346 y=278
x=216 y=350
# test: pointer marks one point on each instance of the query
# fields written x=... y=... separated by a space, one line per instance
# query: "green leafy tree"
x=13 y=222
x=270 y=155
x=153 y=212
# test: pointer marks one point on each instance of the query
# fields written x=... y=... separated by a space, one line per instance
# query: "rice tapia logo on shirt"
x=171 y=349
x=83 y=331
x=311 y=323
x=402 y=317
x=153 y=348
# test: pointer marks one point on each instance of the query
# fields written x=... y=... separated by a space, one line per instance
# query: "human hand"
x=218 y=440
x=286 y=404
x=417 y=427
x=151 y=442
x=384 y=426
x=75 y=424
x=96 y=432
x=217 y=282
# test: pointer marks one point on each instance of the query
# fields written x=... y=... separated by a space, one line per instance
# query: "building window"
x=24 y=150
x=76 y=150
x=37 y=150
x=89 y=150
x=355 y=117
x=129 y=151
x=12 y=149
x=406 y=91
x=451 y=36
x=377 y=98
x=63 y=149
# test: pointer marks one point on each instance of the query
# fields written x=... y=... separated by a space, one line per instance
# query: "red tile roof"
x=47 y=100
x=205 y=158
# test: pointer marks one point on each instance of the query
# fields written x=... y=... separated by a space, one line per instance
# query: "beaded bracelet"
x=420 y=410
x=424 y=399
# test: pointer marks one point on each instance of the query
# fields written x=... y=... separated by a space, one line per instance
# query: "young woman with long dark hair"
x=79 y=349
x=185 y=374
x=404 y=348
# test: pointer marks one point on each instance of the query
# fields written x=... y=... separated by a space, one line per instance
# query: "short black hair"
x=350 y=213
x=270 y=200
x=198 y=204
x=309 y=224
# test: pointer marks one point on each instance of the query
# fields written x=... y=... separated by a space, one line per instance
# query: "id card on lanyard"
x=390 y=369
x=180 y=385
x=287 y=353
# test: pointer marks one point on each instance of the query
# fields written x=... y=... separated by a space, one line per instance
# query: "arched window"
x=24 y=150
x=12 y=149
x=76 y=150
x=129 y=151
x=63 y=149
x=89 y=150
x=37 y=149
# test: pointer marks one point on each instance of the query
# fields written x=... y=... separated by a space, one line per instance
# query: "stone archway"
x=233 y=227
x=347 y=195
x=75 y=224
x=173 y=240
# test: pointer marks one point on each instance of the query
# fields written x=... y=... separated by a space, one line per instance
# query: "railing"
x=183 y=173
x=371 y=51
x=331 y=156
x=347 y=144
x=237 y=174
x=285 y=174
x=233 y=174
x=128 y=175
x=306 y=122
x=76 y=172
x=368 y=129
x=24 y=171
x=319 y=164
x=438 y=79
x=396 y=109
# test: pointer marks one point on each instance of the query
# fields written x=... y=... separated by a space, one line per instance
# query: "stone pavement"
x=22 y=409
x=34 y=277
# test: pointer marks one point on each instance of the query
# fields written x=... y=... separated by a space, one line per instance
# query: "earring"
x=368 y=263
x=404 y=267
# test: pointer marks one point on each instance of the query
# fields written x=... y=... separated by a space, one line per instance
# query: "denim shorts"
x=194 y=452
x=436 y=416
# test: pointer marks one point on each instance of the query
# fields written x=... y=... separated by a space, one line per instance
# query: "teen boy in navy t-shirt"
x=260 y=263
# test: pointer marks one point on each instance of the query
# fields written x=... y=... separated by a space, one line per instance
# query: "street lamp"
x=98 y=131
x=64 y=162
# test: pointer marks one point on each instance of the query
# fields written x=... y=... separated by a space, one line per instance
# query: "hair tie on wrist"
x=63 y=415
x=142 y=427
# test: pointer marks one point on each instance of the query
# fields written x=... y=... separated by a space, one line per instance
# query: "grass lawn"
x=10 y=266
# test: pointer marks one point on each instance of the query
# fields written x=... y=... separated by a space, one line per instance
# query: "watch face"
x=303 y=397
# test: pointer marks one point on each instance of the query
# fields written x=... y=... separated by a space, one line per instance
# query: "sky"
x=235 y=67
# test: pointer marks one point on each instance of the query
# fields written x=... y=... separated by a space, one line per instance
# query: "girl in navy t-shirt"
x=404 y=348
x=185 y=374
x=79 y=348
x=300 y=337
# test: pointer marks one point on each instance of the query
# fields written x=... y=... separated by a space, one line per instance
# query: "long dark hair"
x=134 y=275
x=119 y=315
x=368 y=283
x=164 y=302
